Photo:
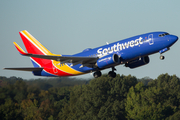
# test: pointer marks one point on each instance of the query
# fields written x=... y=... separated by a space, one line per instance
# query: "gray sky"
x=68 y=27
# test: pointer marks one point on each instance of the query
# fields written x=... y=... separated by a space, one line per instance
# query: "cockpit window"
x=164 y=34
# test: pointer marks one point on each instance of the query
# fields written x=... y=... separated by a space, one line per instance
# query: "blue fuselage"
x=130 y=48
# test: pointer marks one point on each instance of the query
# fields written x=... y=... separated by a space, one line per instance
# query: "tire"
x=162 y=57
x=97 y=74
x=112 y=74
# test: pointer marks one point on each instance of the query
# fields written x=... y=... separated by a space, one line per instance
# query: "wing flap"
x=25 y=69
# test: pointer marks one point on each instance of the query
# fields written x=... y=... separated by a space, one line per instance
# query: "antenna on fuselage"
x=107 y=43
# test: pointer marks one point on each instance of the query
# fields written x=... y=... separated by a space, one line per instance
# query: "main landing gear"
x=97 y=74
x=112 y=73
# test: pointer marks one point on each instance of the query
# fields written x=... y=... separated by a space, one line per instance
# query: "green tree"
x=102 y=98
x=158 y=100
x=10 y=110
x=175 y=116
x=30 y=110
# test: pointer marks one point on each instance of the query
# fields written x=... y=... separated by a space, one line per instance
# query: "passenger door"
x=150 y=39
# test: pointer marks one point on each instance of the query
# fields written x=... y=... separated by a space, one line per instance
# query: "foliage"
x=123 y=97
x=158 y=100
x=102 y=98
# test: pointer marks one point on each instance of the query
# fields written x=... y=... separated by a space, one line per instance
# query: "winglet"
x=21 y=51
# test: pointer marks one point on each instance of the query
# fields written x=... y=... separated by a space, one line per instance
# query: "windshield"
x=164 y=34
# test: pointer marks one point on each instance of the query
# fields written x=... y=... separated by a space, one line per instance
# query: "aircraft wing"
x=64 y=59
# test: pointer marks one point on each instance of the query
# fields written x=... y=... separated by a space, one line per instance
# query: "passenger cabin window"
x=164 y=34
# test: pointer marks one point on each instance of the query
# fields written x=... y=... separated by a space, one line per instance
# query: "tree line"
x=119 y=98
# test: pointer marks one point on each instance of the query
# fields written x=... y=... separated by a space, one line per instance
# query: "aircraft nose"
x=173 y=38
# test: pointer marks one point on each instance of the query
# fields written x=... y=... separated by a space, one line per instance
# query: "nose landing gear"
x=162 y=51
x=162 y=57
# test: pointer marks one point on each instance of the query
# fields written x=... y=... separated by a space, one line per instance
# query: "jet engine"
x=138 y=62
x=107 y=60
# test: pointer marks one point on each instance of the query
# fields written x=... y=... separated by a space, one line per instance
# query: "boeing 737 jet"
x=132 y=52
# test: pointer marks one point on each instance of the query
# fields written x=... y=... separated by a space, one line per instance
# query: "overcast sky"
x=70 y=26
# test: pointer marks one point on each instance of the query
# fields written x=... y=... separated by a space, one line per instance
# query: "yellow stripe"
x=37 y=43
x=18 y=47
x=66 y=68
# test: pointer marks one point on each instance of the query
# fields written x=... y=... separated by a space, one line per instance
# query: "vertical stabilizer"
x=35 y=47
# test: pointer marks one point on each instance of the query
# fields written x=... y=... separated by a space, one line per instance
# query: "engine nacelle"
x=138 y=62
x=107 y=60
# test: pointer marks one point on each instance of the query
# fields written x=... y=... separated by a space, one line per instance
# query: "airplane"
x=133 y=52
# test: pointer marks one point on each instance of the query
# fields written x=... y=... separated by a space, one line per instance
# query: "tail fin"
x=35 y=47
x=32 y=45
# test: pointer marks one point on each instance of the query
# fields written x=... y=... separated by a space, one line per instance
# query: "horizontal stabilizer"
x=25 y=69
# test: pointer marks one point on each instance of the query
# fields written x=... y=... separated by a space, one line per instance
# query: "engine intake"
x=138 y=62
x=107 y=60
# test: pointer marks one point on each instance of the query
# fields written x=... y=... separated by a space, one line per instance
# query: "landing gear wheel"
x=112 y=74
x=162 y=57
x=97 y=74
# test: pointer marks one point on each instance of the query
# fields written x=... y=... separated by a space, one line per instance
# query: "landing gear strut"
x=97 y=74
x=112 y=73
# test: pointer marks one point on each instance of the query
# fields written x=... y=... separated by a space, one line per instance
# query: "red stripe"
x=47 y=64
x=34 y=50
